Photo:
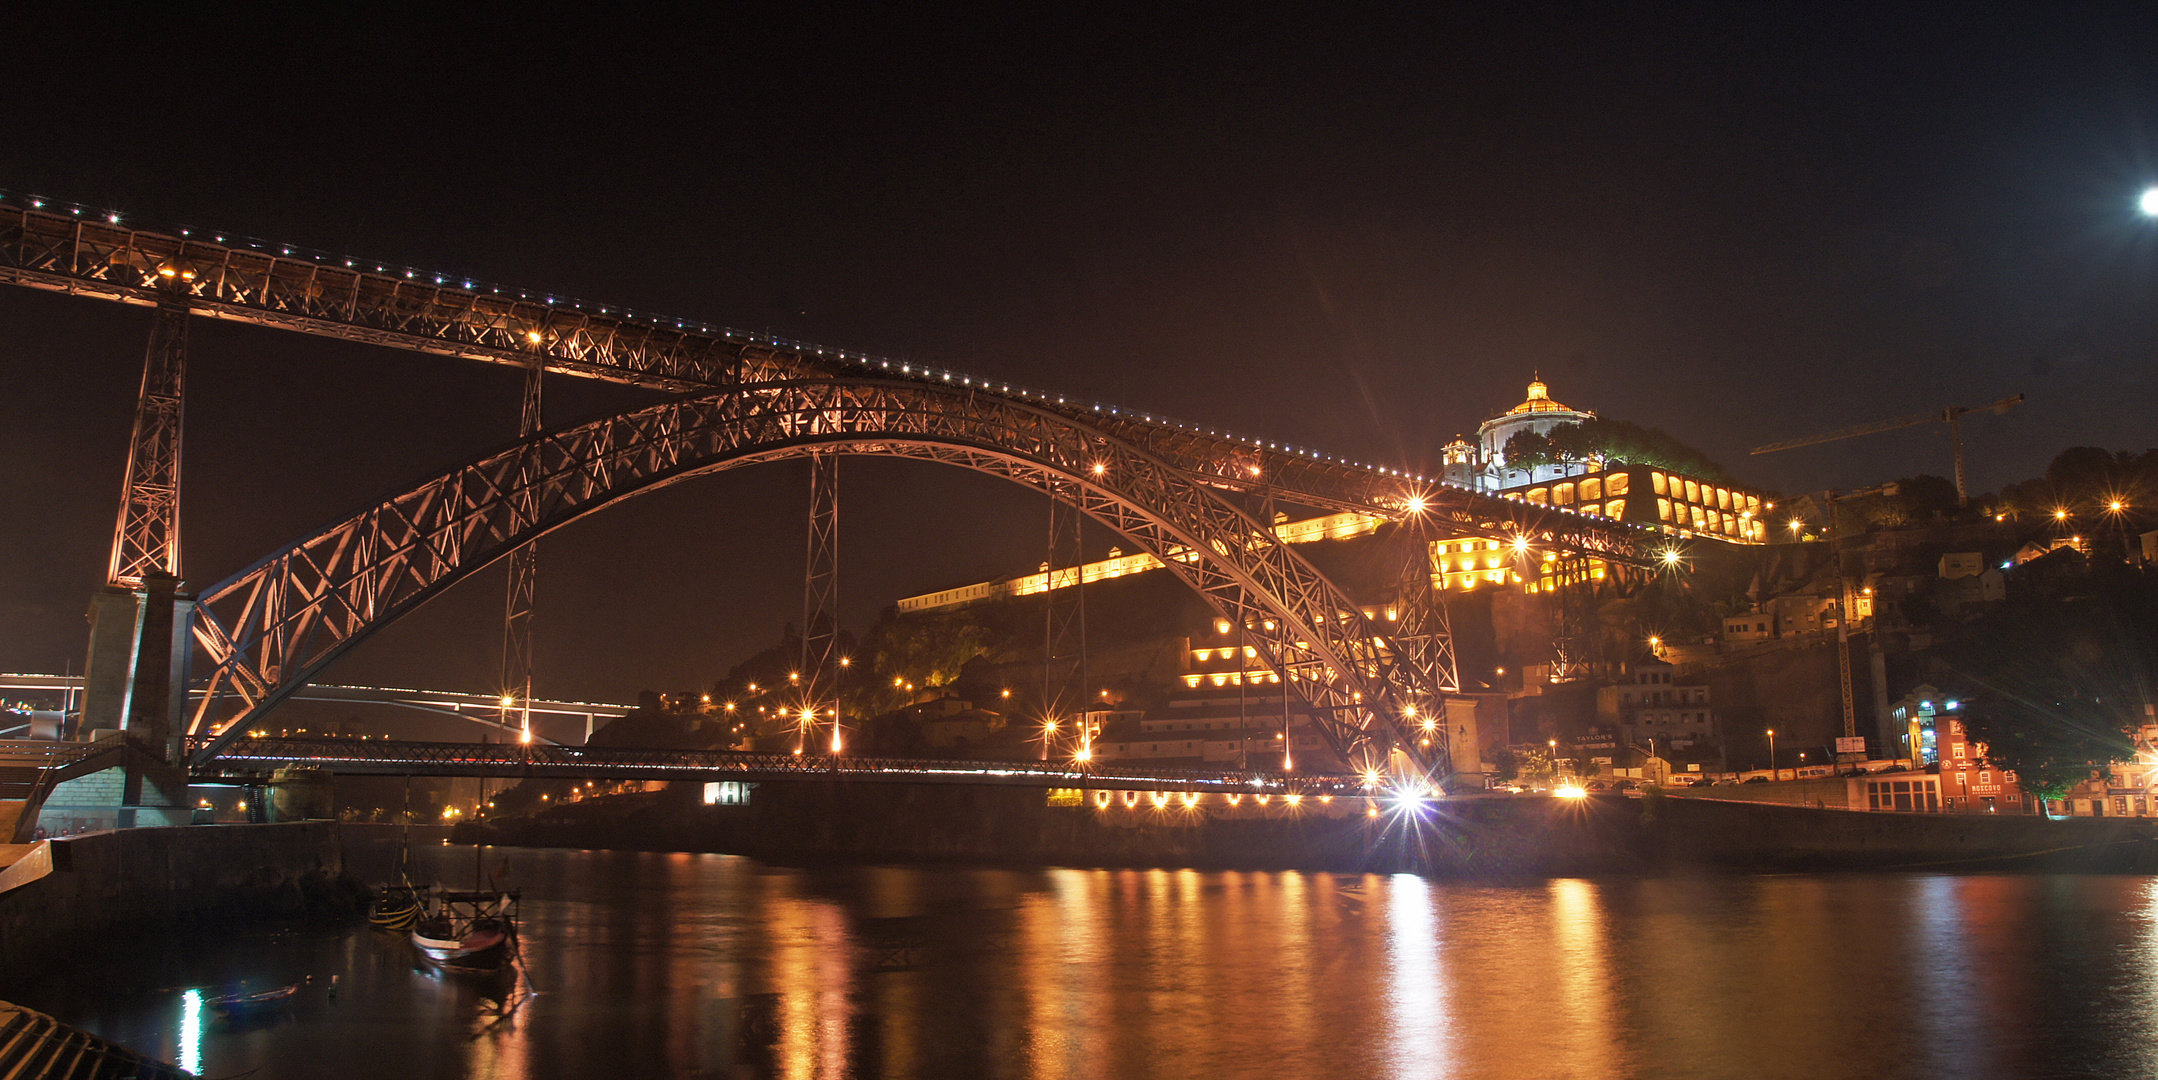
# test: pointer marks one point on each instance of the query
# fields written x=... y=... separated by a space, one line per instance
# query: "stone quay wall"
x=1477 y=837
x=99 y=888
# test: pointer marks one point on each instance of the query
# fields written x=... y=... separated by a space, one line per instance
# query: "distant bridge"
x=482 y=709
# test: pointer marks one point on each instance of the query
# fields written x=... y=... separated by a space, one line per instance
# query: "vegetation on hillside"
x=1601 y=439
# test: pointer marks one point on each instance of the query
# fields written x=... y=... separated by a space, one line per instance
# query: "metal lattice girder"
x=267 y=631
x=820 y=595
x=273 y=286
x=147 y=538
x=1064 y=690
x=521 y=606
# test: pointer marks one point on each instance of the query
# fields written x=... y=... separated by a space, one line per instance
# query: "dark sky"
x=1740 y=223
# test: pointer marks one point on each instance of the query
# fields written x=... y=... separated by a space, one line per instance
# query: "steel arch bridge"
x=266 y=632
x=1169 y=487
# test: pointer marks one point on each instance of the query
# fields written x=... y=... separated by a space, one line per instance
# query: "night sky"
x=1740 y=223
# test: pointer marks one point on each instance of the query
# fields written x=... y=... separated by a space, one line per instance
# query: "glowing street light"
x=2147 y=203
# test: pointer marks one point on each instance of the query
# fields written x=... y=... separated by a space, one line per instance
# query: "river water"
x=679 y=965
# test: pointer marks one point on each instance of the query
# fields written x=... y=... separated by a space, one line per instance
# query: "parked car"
x=1754 y=780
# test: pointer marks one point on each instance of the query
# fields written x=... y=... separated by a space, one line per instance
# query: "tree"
x=1525 y=449
x=924 y=652
x=1600 y=439
x=2060 y=681
x=1927 y=496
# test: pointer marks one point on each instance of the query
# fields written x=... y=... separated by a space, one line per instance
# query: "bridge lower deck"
x=254 y=759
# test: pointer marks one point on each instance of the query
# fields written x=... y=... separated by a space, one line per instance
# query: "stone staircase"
x=31 y=768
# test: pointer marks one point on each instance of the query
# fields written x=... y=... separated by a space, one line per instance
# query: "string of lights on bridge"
x=905 y=369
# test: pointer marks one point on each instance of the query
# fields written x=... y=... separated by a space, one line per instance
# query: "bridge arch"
x=268 y=630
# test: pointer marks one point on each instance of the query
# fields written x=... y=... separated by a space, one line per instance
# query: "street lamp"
x=1773 y=773
x=2148 y=202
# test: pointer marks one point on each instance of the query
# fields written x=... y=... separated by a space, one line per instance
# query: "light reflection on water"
x=711 y=966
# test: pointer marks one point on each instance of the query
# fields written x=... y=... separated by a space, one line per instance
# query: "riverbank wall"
x=97 y=889
x=1468 y=837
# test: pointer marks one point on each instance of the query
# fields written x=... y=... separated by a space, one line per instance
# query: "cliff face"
x=1469 y=837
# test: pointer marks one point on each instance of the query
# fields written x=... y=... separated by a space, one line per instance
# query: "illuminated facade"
x=1118 y=564
x=1227 y=707
x=1635 y=494
x=1657 y=498
x=1483 y=465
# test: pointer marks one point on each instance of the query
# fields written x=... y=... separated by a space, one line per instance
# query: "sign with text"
x=1851 y=745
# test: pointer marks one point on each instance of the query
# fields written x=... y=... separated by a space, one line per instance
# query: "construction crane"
x=1952 y=416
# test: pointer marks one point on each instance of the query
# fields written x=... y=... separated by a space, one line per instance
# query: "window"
x=1656 y=480
x=1616 y=508
x=1562 y=495
x=1699 y=517
x=1592 y=490
x=1693 y=492
x=1540 y=496
x=1663 y=509
x=1616 y=484
x=1723 y=498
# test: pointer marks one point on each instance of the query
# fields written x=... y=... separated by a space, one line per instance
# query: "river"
x=679 y=965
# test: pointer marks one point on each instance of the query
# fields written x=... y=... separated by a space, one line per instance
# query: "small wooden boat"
x=468 y=932
x=396 y=907
x=244 y=1004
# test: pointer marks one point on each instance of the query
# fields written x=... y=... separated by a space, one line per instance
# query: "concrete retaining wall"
x=1469 y=837
x=109 y=885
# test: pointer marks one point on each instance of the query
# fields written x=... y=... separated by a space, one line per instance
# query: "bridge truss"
x=267 y=631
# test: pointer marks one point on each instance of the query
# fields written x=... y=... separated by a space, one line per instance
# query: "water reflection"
x=699 y=965
x=1415 y=1037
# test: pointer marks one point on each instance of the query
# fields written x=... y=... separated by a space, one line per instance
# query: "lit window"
x=1616 y=508
x=1592 y=490
x=1562 y=495
x=1693 y=492
x=1663 y=509
x=1615 y=484
x=1540 y=496
x=1658 y=481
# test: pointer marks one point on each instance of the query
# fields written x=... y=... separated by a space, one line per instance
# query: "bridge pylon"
x=134 y=675
x=519 y=611
x=820 y=605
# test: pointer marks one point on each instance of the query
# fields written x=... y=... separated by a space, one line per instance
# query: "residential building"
x=1650 y=704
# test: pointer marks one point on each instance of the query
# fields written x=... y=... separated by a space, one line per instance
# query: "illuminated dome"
x=1539 y=401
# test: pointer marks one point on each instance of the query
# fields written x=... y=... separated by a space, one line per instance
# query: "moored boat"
x=245 y=1004
x=473 y=932
x=396 y=907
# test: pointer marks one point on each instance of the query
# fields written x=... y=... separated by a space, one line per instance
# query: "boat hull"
x=479 y=951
